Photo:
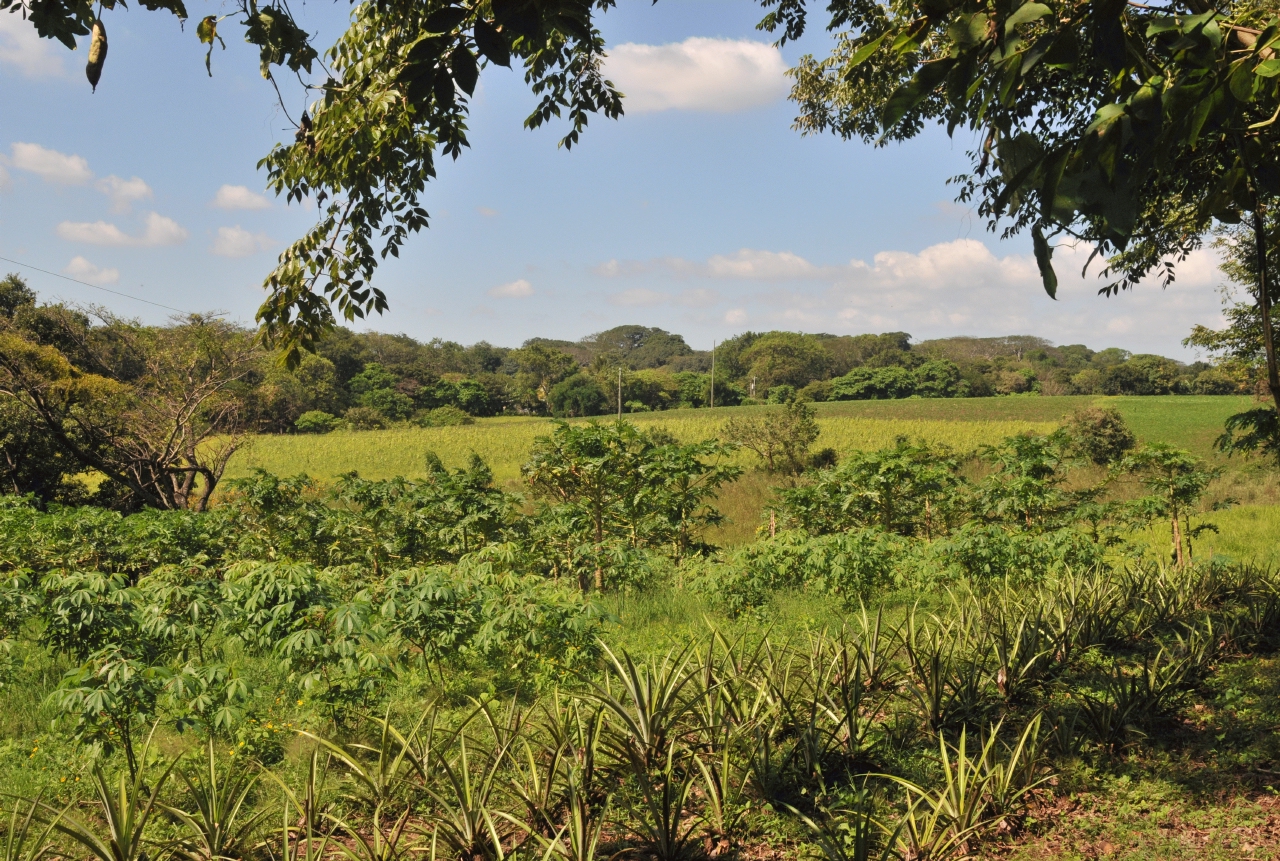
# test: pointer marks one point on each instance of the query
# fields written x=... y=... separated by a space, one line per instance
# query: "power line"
x=94 y=286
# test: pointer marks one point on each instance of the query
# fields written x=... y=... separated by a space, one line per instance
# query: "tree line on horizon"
x=367 y=380
x=160 y=410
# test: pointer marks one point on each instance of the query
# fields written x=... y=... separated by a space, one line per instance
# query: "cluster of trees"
x=158 y=411
x=370 y=379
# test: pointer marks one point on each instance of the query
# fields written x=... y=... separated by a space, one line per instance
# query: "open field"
x=1190 y=422
x=963 y=424
x=505 y=442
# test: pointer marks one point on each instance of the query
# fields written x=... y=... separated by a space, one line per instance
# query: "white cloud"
x=698 y=297
x=50 y=164
x=83 y=270
x=123 y=192
x=162 y=231
x=762 y=265
x=94 y=233
x=239 y=197
x=698 y=74
x=238 y=242
x=486 y=211
x=513 y=290
x=159 y=230
x=22 y=49
x=953 y=288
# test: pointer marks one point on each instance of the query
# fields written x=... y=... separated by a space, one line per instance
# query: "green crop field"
x=963 y=424
x=505 y=442
x=1115 y=683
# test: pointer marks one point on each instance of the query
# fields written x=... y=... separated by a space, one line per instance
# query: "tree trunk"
x=1177 y=543
x=1264 y=294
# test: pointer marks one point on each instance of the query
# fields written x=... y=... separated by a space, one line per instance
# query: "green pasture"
x=1191 y=422
x=504 y=442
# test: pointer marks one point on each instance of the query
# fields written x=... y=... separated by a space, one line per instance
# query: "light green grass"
x=963 y=424
x=505 y=442
x=1246 y=533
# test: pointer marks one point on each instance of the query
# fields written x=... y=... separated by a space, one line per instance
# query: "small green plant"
x=28 y=837
x=220 y=822
x=125 y=808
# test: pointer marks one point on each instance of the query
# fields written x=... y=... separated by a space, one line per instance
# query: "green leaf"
x=915 y=91
x=207 y=29
x=492 y=44
x=1102 y=120
x=445 y=20
x=1268 y=69
x=1044 y=260
x=465 y=70
x=865 y=51
x=1242 y=83
x=1025 y=14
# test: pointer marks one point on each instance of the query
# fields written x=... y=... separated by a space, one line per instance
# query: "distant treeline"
x=89 y=377
x=369 y=379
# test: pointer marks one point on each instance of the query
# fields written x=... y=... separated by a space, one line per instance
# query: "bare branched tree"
x=156 y=410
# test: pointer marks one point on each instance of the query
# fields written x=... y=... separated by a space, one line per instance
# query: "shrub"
x=364 y=418
x=577 y=396
x=987 y=552
x=316 y=421
x=783 y=394
x=817 y=391
x=780 y=438
x=871 y=384
x=940 y=379
x=396 y=406
x=852 y=566
x=1087 y=382
x=446 y=416
x=1100 y=434
x=1215 y=382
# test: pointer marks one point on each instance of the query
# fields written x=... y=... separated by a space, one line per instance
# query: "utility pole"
x=619 y=393
x=713 y=375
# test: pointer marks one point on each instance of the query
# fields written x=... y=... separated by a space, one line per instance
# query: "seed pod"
x=97 y=54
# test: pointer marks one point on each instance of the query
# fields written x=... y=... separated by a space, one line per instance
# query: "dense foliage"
x=382 y=623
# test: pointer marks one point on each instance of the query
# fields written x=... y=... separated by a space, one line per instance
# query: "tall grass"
x=1191 y=422
x=1246 y=534
x=505 y=442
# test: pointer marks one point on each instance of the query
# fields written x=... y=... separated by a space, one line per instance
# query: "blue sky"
x=700 y=211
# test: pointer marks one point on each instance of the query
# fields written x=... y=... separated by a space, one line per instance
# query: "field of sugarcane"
x=977 y=637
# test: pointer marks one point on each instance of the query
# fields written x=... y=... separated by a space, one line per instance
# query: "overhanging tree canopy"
x=389 y=96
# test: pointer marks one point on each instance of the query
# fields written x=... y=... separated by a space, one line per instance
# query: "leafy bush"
x=1100 y=434
x=780 y=438
x=316 y=421
x=853 y=565
x=446 y=416
x=364 y=418
x=577 y=396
